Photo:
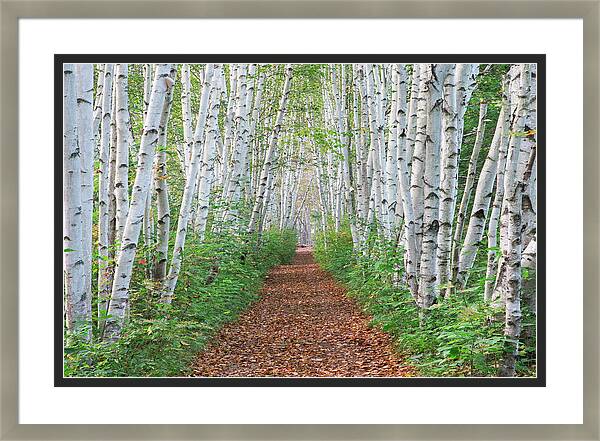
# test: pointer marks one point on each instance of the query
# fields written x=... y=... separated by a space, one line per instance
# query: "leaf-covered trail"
x=303 y=326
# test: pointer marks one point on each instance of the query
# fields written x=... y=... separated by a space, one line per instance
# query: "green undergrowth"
x=458 y=336
x=220 y=278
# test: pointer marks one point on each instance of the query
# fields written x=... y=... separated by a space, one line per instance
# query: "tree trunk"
x=161 y=188
x=76 y=307
x=122 y=160
x=140 y=192
x=513 y=188
x=428 y=272
x=269 y=155
x=189 y=190
x=103 y=195
x=87 y=145
x=481 y=205
x=464 y=202
x=208 y=159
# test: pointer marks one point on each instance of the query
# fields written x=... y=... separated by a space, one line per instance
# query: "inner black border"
x=539 y=381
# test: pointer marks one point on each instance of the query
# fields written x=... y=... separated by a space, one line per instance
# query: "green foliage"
x=219 y=279
x=458 y=336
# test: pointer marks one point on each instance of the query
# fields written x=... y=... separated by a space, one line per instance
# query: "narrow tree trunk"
x=428 y=272
x=87 y=144
x=161 y=188
x=208 y=159
x=269 y=155
x=481 y=205
x=186 y=115
x=76 y=305
x=404 y=195
x=140 y=192
x=513 y=188
x=449 y=175
x=418 y=159
x=97 y=117
x=189 y=190
x=122 y=160
x=492 y=232
x=103 y=195
x=464 y=202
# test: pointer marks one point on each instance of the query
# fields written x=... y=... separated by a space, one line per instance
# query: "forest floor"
x=304 y=325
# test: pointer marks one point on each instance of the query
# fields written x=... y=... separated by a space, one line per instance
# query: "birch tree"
x=481 y=204
x=87 y=144
x=121 y=188
x=267 y=171
x=208 y=158
x=77 y=302
x=103 y=193
x=513 y=188
x=428 y=272
x=464 y=202
x=449 y=176
x=140 y=191
x=189 y=190
x=161 y=188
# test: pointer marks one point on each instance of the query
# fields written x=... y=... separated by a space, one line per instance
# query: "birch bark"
x=428 y=290
x=76 y=304
x=189 y=190
x=121 y=189
x=103 y=194
x=513 y=187
x=87 y=145
x=269 y=155
x=97 y=117
x=464 y=202
x=418 y=158
x=481 y=205
x=492 y=232
x=449 y=176
x=140 y=192
x=186 y=114
x=208 y=158
x=161 y=188
x=404 y=196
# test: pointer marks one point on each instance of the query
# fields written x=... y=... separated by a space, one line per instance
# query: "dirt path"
x=303 y=326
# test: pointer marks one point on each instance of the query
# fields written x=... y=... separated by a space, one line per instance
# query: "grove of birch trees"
x=170 y=167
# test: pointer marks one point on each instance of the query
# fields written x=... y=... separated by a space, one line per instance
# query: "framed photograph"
x=287 y=217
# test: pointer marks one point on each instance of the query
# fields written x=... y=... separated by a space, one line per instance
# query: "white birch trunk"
x=428 y=271
x=161 y=188
x=140 y=192
x=186 y=115
x=97 y=117
x=464 y=202
x=76 y=305
x=404 y=196
x=418 y=159
x=87 y=144
x=189 y=190
x=449 y=176
x=103 y=194
x=208 y=159
x=492 y=232
x=481 y=205
x=513 y=187
x=270 y=153
x=121 y=189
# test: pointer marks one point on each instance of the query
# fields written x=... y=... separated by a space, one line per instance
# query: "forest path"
x=303 y=326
